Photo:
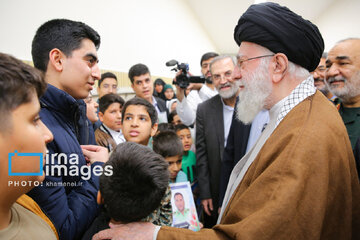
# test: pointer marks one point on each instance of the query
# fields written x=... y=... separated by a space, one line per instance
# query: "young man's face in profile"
x=80 y=70
x=26 y=134
x=137 y=125
x=175 y=163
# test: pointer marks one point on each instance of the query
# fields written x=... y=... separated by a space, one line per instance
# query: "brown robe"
x=303 y=184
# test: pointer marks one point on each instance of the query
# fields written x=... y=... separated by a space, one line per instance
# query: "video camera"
x=184 y=79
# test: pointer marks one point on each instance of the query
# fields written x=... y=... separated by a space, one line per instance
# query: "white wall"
x=147 y=31
x=341 y=20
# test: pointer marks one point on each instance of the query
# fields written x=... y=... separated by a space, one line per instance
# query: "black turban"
x=280 y=30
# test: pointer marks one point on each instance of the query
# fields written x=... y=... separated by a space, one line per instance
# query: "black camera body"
x=183 y=80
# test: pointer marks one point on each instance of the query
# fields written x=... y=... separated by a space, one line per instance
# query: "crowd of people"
x=270 y=142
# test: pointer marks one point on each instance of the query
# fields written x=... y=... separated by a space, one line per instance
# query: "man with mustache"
x=295 y=183
x=213 y=121
x=343 y=80
x=319 y=78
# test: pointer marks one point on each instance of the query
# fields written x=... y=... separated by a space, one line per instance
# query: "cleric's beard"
x=253 y=97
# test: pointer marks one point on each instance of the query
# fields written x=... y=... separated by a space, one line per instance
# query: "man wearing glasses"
x=299 y=180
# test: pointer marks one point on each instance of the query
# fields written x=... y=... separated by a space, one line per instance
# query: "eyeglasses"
x=241 y=60
x=217 y=77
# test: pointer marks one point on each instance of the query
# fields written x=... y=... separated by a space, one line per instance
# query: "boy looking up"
x=109 y=133
x=66 y=52
x=169 y=145
x=139 y=125
x=21 y=130
x=124 y=199
x=189 y=157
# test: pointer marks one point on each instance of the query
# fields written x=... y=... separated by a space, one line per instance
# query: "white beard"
x=351 y=87
x=234 y=87
x=253 y=97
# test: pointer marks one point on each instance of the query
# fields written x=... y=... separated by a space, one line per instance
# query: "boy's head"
x=141 y=81
x=21 y=129
x=174 y=118
x=184 y=134
x=162 y=127
x=110 y=106
x=169 y=145
x=137 y=185
x=107 y=84
x=139 y=119
x=67 y=51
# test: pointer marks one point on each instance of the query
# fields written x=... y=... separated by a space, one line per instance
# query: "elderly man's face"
x=254 y=78
x=221 y=75
x=343 y=69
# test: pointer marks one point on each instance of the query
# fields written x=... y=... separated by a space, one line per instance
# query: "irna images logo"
x=15 y=154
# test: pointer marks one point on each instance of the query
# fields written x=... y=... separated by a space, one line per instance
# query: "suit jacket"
x=209 y=147
x=235 y=149
x=162 y=105
x=302 y=184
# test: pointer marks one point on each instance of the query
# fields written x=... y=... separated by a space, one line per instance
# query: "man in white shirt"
x=299 y=180
x=187 y=104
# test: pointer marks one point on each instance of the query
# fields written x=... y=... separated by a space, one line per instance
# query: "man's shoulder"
x=211 y=102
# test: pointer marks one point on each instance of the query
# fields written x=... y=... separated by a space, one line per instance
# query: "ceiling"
x=219 y=18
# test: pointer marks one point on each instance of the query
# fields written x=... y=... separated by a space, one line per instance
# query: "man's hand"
x=207 y=206
x=94 y=153
x=133 y=231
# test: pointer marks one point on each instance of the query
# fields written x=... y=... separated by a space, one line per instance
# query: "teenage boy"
x=107 y=84
x=66 y=52
x=124 y=199
x=169 y=145
x=139 y=125
x=21 y=130
x=109 y=133
x=189 y=157
x=142 y=84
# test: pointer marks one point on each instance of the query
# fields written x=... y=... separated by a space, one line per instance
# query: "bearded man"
x=294 y=183
x=343 y=79
x=213 y=121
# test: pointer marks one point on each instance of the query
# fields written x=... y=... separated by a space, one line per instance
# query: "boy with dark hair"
x=142 y=85
x=21 y=130
x=109 y=133
x=66 y=51
x=107 y=84
x=189 y=157
x=169 y=145
x=139 y=181
x=139 y=119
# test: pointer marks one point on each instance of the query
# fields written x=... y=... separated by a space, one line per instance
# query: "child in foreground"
x=134 y=190
x=21 y=130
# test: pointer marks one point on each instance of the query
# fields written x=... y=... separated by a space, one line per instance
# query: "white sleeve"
x=156 y=231
x=186 y=109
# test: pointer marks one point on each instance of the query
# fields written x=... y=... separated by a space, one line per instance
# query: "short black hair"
x=64 y=34
x=165 y=127
x=137 y=70
x=18 y=82
x=172 y=115
x=159 y=81
x=180 y=127
x=207 y=56
x=108 y=99
x=138 y=183
x=148 y=106
x=167 y=144
x=106 y=75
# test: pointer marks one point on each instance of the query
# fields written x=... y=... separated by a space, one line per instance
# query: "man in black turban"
x=294 y=183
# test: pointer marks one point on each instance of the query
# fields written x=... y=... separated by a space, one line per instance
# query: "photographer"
x=196 y=92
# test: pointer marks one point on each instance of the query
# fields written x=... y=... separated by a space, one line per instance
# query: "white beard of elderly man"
x=299 y=180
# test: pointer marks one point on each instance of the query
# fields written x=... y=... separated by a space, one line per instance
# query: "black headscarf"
x=280 y=30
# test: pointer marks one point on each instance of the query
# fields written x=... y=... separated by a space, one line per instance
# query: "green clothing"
x=179 y=217
x=351 y=118
x=162 y=216
x=188 y=165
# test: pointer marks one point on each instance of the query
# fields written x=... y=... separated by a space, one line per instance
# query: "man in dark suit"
x=143 y=87
x=213 y=120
